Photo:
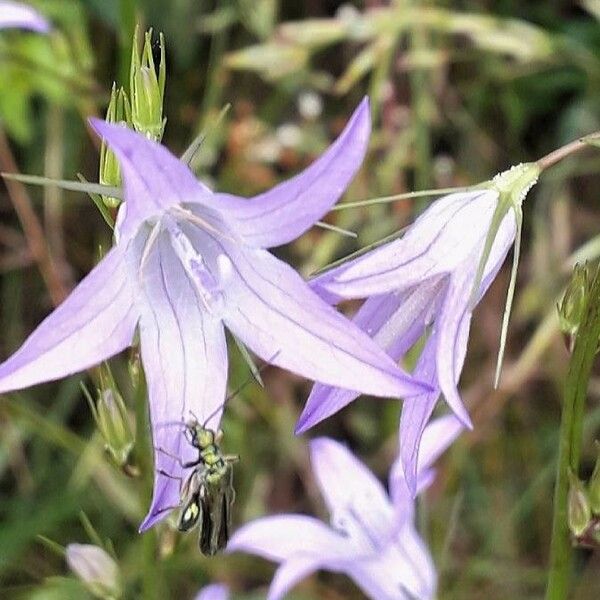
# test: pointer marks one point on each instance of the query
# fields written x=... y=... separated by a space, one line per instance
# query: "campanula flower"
x=427 y=281
x=188 y=262
x=18 y=15
x=372 y=536
x=216 y=591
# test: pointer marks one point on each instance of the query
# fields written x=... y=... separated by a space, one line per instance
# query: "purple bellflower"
x=215 y=591
x=372 y=537
x=187 y=262
x=17 y=15
x=427 y=282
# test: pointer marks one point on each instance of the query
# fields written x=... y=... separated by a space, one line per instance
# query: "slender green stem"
x=586 y=344
x=395 y=197
x=419 y=86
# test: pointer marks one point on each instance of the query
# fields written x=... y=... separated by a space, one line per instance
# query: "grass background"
x=460 y=91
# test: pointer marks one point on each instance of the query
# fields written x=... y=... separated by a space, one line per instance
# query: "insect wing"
x=191 y=513
x=206 y=526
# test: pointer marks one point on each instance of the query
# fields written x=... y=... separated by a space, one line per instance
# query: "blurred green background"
x=460 y=91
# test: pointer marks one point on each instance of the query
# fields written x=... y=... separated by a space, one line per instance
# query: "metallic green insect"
x=207 y=494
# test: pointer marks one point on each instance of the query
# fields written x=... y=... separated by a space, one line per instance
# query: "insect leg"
x=169 y=475
x=183 y=465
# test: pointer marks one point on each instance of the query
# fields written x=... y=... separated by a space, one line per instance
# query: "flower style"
x=15 y=14
x=216 y=591
x=372 y=537
x=425 y=282
x=186 y=263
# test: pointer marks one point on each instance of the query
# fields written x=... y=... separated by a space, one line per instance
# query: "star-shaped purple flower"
x=422 y=282
x=18 y=15
x=186 y=263
x=372 y=537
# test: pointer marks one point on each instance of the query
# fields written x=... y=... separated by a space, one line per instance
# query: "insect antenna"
x=240 y=388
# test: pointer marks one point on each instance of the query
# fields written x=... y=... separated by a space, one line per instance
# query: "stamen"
x=192 y=218
x=148 y=246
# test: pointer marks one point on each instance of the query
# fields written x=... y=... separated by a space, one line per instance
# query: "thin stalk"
x=569 y=452
x=396 y=197
x=54 y=158
x=32 y=228
x=419 y=87
x=142 y=457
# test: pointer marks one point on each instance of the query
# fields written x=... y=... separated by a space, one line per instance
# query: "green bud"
x=572 y=305
x=147 y=88
x=113 y=422
x=96 y=569
x=594 y=486
x=110 y=173
x=579 y=512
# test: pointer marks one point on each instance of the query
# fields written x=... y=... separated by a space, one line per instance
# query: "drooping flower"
x=427 y=281
x=18 y=15
x=95 y=568
x=186 y=263
x=372 y=537
x=216 y=591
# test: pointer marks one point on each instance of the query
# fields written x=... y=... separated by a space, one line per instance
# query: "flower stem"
x=580 y=365
x=567 y=150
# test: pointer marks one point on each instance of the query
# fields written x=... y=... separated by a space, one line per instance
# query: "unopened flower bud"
x=579 y=512
x=572 y=305
x=110 y=173
x=147 y=88
x=594 y=486
x=112 y=421
x=96 y=569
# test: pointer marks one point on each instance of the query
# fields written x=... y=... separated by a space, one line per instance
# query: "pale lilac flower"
x=18 y=15
x=427 y=281
x=186 y=263
x=95 y=568
x=216 y=591
x=372 y=537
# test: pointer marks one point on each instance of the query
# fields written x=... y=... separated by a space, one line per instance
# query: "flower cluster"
x=189 y=263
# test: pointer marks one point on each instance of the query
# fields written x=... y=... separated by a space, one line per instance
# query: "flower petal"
x=96 y=321
x=290 y=573
x=216 y=591
x=286 y=537
x=395 y=321
x=358 y=504
x=416 y=412
x=154 y=179
x=453 y=326
x=185 y=361
x=290 y=208
x=397 y=573
x=272 y=310
x=15 y=14
x=455 y=317
x=437 y=243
